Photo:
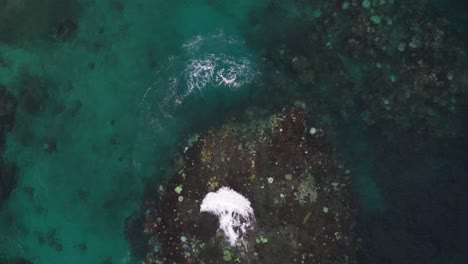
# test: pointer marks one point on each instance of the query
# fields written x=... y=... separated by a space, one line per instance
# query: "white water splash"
x=234 y=212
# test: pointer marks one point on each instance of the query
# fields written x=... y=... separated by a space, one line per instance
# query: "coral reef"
x=301 y=196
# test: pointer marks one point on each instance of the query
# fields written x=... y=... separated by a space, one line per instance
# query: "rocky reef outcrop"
x=285 y=166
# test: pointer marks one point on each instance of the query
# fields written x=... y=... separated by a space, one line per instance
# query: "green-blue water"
x=109 y=105
x=117 y=98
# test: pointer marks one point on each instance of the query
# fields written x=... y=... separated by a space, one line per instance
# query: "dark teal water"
x=102 y=108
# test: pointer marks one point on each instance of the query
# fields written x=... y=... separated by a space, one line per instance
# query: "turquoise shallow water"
x=102 y=110
x=110 y=105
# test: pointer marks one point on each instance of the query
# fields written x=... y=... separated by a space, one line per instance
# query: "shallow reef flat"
x=304 y=208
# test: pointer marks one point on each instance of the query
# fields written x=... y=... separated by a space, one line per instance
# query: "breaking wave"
x=205 y=63
x=214 y=70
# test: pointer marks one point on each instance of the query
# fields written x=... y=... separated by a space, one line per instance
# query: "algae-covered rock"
x=304 y=210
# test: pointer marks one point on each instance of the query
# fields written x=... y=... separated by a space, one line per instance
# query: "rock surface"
x=302 y=200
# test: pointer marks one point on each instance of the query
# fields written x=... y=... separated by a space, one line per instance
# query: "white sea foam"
x=234 y=212
x=207 y=62
x=193 y=43
x=199 y=72
x=217 y=70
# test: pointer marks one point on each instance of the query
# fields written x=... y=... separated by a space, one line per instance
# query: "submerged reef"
x=8 y=180
x=7 y=113
x=303 y=208
x=392 y=65
x=8 y=171
x=22 y=21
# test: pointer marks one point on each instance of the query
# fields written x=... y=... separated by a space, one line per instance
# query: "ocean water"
x=103 y=108
x=110 y=99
